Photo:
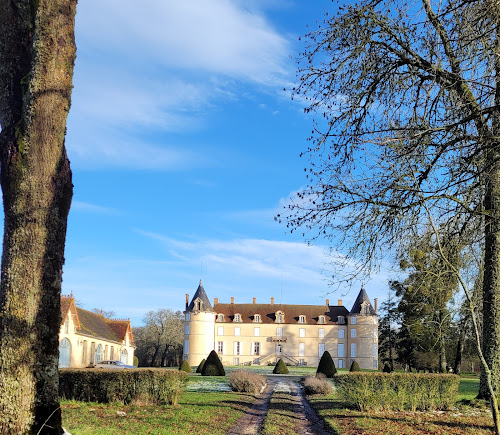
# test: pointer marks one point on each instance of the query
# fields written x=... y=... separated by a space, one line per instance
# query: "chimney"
x=327 y=302
x=376 y=305
x=187 y=301
x=232 y=299
x=272 y=301
x=216 y=301
x=340 y=302
x=254 y=300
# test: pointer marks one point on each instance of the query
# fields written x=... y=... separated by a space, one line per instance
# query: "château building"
x=256 y=333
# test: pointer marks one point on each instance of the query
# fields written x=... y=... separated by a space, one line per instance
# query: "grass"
x=462 y=419
x=200 y=413
x=280 y=419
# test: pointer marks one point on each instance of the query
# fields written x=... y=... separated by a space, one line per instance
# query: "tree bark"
x=37 y=54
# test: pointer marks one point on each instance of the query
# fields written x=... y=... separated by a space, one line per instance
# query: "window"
x=236 y=361
x=321 y=332
x=256 y=318
x=186 y=329
x=302 y=349
x=374 y=350
x=341 y=364
x=340 y=350
x=237 y=348
x=197 y=305
x=340 y=320
x=186 y=346
x=66 y=326
x=98 y=354
x=106 y=351
x=124 y=356
x=280 y=317
x=84 y=352
x=256 y=348
x=353 y=350
x=188 y=317
x=220 y=347
x=64 y=353
x=237 y=331
x=353 y=320
x=302 y=319
x=279 y=332
x=341 y=333
x=220 y=331
x=302 y=332
x=256 y=332
x=353 y=333
x=237 y=318
x=220 y=317
x=112 y=353
x=321 y=319
x=92 y=353
x=374 y=363
x=302 y=362
x=321 y=349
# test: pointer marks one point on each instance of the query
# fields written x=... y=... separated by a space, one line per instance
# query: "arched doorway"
x=124 y=356
x=64 y=353
x=98 y=354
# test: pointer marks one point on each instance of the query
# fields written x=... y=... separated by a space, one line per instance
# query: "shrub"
x=246 y=382
x=185 y=367
x=280 y=368
x=326 y=365
x=398 y=391
x=387 y=369
x=200 y=366
x=354 y=367
x=317 y=384
x=136 y=361
x=213 y=366
x=157 y=386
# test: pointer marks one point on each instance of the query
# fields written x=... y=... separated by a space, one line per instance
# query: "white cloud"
x=92 y=208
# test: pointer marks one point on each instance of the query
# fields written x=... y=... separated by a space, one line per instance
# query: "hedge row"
x=158 y=386
x=398 y=391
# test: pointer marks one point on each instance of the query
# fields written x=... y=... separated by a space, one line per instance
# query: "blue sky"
x=183 y=147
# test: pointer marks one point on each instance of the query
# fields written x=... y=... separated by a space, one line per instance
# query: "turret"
x=199 y=330
x=363 y=332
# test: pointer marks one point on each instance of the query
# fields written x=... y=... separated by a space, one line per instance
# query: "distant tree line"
x=160 y=342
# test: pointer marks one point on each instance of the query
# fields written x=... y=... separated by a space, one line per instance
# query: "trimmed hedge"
x=375 y=391
x=213 y=366
x=200 y=366
x=185 y=367
x=326 y=365
x=355 y=367
x=159 y=386
x=280 y=368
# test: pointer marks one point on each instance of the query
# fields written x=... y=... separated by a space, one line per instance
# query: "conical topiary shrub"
x=354 y=367
x=387 y=369
x=185 y=367
x=213 y=366
x=200 y=366
x=280 y=368
x=326 y=365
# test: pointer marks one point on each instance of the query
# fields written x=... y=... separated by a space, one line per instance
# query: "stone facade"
x=254 y=334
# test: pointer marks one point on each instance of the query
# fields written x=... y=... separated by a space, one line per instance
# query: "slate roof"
x=292 y=312
x=362 y=297
x=200 y=293
x=94 y=324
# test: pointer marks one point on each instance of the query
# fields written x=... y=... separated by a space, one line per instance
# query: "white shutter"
x=223 y=348
x=251 y=348
x=235 y=348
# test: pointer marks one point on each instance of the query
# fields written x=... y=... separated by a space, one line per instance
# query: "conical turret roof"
x=202 y=296
x=362 y=298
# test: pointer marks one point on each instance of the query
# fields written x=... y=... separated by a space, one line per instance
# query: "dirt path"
x=308 y=422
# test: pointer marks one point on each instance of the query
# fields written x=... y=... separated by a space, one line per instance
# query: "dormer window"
x=198 y=305
x=280 y=317
x=365 y=308
x=321 y=319
x=256 y=318
x=237 y=318
x=220 y=317
x=341 y=320
x=302 y=319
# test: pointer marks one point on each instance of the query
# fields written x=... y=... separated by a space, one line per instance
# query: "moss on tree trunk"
x=37 y=53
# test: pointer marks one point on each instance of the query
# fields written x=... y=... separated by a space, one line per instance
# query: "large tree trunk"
x=37 y=53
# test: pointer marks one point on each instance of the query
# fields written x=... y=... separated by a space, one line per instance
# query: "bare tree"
x=408 y=94
x=37 y=54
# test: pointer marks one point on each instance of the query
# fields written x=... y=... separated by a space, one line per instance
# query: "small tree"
x=200 y=366
x=326 y=365
x=355 y=367
x=280 y=368
x=387 y=369
x=185 y=367
x=213 y=366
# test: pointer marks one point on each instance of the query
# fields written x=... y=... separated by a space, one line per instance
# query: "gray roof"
x=362 y=297
x=200 y=294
